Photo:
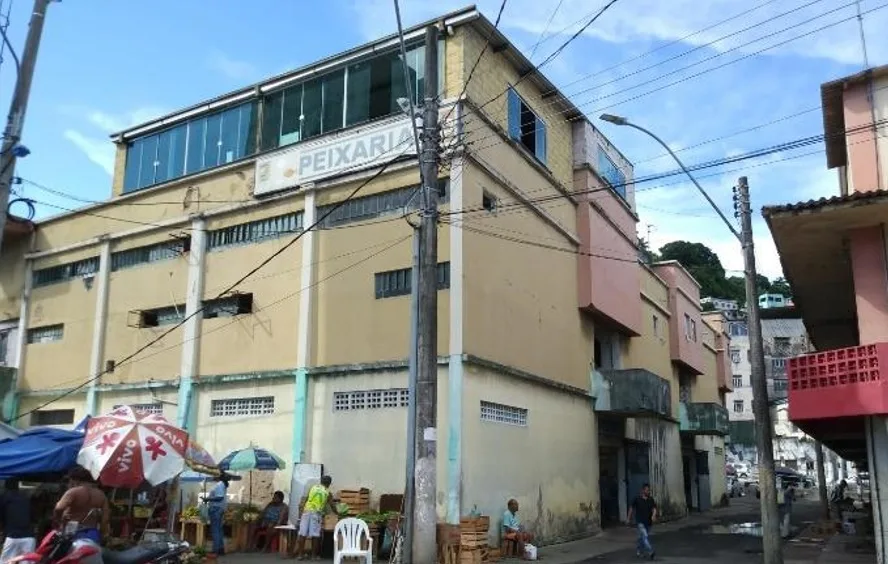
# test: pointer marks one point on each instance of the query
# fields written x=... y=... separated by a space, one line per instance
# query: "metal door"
x=637 y=468
x=609 y=486
x=704 y=495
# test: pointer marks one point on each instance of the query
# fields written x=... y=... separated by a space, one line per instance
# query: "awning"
x=40 y=452
x=812 y=240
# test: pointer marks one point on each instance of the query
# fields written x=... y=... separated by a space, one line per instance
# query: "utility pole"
x=17 y=107
x=425 y=514
x=771 y=541
x=821 y=482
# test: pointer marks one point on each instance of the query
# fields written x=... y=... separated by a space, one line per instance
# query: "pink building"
x=833 y=252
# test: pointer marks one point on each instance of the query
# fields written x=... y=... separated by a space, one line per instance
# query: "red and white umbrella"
x=128 y=447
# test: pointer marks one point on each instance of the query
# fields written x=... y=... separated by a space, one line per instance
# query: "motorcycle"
x=62 y=547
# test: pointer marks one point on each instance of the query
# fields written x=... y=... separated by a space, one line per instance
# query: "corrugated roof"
x=813 y=205
x=788 y=328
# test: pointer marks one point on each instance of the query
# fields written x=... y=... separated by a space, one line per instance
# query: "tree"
x=646 y=252
x=702 y=263
x=781 y=286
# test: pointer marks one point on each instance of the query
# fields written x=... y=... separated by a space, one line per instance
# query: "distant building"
x=768 y=301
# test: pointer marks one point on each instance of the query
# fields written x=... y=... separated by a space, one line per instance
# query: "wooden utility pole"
x=771 y=541
x=17 y=107
x=425 y=514
x=821 y=481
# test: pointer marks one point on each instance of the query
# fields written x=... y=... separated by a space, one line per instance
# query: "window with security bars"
x=46 y=334
x=370 y=399
x=505 y=414
x=65 y=272
x=52 y=417
x=376 y=205
x=239 y=407
x=399 y=282
x=737 y=381
x=150 y=253
x=152 y=408
x=255 y=231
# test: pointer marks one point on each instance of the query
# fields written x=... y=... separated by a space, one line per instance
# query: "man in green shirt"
x=317 y=503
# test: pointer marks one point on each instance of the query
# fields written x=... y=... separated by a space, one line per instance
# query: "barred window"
x=238 y=407
x=150 y=253
x=505 y=414
x=399 y=282
x=46 y=334
x=371 y=399
x=152 y=408
x=65 y=272
x=52 y=417
x=255 y=231
x=369 y=207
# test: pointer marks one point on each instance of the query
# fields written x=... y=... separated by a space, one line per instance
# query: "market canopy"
x=39 y=452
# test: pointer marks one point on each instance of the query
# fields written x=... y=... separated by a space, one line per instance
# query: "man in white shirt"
x=218 y=502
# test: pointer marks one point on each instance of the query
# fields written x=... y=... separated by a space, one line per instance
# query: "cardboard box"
x=330 y=521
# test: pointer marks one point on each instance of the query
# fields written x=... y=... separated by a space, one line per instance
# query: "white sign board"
x=331 y=156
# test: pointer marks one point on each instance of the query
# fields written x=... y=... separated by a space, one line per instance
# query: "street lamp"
x=767 y=484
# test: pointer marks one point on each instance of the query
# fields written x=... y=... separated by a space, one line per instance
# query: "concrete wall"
x=667 y=480
x=559 y=500
x=12 y=276
x=684 y=300
x=715 y=449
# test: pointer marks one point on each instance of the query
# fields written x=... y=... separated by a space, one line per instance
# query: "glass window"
x=271 y=120
x=526 y=127
x=230 y=130
x=312 y=108
x=197 y=131
x=148 y=162
x=171 y=154
x=133 y=163
x=213 y=141
x=334 y=98
x=357 y=99
x=292 y=109
x=246 y=137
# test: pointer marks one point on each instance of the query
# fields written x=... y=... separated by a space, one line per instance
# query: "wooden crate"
x=470 y=557
x=358 y=501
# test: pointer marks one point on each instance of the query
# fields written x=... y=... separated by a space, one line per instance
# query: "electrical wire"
x=545 y=29
x=232 y=286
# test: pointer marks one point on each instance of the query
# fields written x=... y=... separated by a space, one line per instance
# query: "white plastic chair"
x=352 y=530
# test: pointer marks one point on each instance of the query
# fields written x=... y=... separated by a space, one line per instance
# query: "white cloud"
x=101 y=152
x=644 y=20
x=232 y=68
x=97 y=147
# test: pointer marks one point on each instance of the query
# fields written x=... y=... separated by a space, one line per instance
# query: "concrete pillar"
x=191 y=329
x=863 y=155
x=877 y=458
x=305 y=325
x=11 y=408
x=455 y=368
x=97 y=354
x=868 y=265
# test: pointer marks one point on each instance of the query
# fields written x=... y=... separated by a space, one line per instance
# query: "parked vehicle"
x=60 y=547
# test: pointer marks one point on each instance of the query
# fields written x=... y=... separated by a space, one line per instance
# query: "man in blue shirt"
x=513 y=530
x=218 y=502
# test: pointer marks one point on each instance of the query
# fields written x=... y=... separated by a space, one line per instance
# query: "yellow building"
x=197 y=290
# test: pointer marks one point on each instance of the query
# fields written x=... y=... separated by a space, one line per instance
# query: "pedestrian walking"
x=786 y=508
x=644 y=508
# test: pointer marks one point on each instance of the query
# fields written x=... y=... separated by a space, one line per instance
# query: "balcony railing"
x=703 y=419
x=839 y=383
x=633 y=391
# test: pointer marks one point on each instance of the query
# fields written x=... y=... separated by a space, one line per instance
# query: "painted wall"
x=666 y=478
x=650 y=350
x=715 y=450
x=684 y=300
x=12 y=276
x=558 y=501
x=367 y=447
x=529 y=289
x=868 y=265
x=865 y=104
x=705 y=386
x=29 y=404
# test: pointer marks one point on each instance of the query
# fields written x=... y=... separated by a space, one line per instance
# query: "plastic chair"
x=352 y=531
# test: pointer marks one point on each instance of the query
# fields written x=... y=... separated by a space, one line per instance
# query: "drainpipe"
x=99 y=325
x=11 y=408
x=305 y=326
x=455 y=365
x=194 y=318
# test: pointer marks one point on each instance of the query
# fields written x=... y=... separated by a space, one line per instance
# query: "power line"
x=66 y=393
x=545 y=29
x=237 y=283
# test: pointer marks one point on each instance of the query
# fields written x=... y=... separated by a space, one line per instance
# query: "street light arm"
x=687 y=172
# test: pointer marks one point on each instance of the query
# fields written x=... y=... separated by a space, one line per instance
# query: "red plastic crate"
x=839 y=383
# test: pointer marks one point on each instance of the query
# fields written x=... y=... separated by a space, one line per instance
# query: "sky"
x=714 y=79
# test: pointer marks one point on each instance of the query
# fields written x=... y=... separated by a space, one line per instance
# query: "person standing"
x=85 y=504
x=217 y=503
x=644 y=508
x=788 y=498
x=15 y=518
x=310 y=523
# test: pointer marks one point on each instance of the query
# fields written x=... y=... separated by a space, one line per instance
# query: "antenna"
x=862 y=37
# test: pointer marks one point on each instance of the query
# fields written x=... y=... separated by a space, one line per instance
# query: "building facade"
x=833 y=254
x=251 y=272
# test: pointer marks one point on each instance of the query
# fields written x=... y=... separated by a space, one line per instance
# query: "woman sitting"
x=274 y=515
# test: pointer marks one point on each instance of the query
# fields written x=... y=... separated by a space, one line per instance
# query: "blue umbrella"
x=252 y=458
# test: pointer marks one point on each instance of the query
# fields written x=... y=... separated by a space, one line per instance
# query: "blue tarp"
x=39 y=452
